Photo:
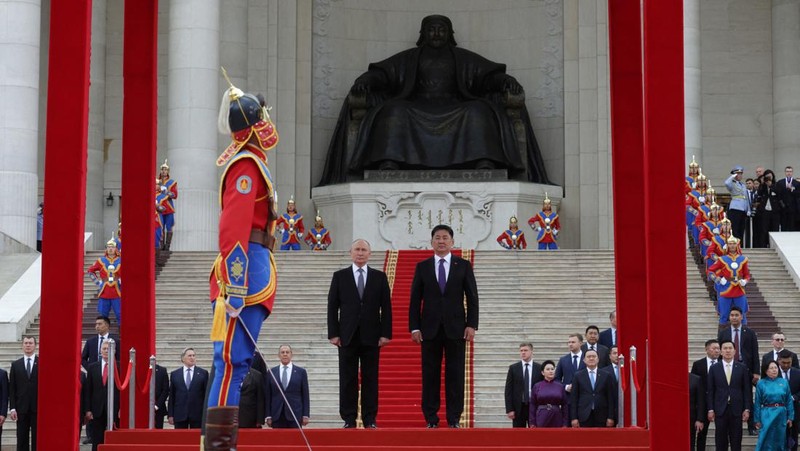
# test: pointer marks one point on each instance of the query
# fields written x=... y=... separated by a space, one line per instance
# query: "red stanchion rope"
x=634 y=370
x=146 y=385
x=120 y=385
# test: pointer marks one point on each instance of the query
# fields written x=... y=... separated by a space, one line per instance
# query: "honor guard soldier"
x=547 y=225
x=513 y=238
x=169 y=188
x=694 y=199
x=318 y=238
x=710 y=227
x=731 y=273
x=719 y=243
x=694 y=169
x=243 y=278
x=291 y=226
x=106 y=273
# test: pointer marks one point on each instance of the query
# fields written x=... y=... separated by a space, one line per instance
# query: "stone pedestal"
x=392 y=215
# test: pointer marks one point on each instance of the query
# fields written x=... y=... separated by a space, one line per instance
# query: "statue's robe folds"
x=433 y=112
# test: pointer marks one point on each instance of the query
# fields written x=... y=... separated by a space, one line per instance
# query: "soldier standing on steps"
x=106 y=273
x=731 y=272
x=547 y=225
x=244 y=277
x=291 y=226
x=319 y=237
x=169 y=189
x=513 y=238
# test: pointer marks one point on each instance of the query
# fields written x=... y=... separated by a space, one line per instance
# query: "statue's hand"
x=512 y=86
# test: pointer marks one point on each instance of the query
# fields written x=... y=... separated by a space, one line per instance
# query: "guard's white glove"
x=742 y=283
x=716 y=231
x=163 y=188
x=723 y=281
x=724 y=247
x=555 y=231
x=702 y=199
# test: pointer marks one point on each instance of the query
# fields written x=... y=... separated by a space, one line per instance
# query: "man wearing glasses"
x=778 y=345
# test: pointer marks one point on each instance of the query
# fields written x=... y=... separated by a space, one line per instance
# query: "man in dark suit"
x=359 y=324
x=729 y=398
x=91 y=349
x=521 y=378
x=252 y=400
x=187 y=391
x=700 y=368
x=697 y=407
x=613 y=370
x=792 y=374
x=23 y=389
x=442 y=323
x=294 y=384
x=592 y=397
x=778 y=345
x=95 y=398
x=608 y=337
x=3 y=400
x=789 y=194
x=745 y=341
x=592 y=338
x=570 y=363
x=162 y=393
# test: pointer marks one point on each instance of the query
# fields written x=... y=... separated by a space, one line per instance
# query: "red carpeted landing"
x=392 y=439
x=401 y=363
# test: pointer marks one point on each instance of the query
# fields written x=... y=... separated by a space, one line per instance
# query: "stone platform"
x=400 y=213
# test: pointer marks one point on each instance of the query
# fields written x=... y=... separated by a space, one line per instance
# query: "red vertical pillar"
x=65 y=195
x=627 y=152
x=664 y=223
x=138 y=193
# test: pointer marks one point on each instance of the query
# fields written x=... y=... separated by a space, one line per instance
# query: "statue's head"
x=436 y=31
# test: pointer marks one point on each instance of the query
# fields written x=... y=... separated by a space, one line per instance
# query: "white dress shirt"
x=447 y=259
x=355 y=273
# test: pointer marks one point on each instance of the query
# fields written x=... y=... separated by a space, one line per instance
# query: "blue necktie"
x=575 y=362
x=442 y=276
x=591 y=376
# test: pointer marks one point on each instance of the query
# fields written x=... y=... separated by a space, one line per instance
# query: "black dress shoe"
x=432 y=426
x=349 y=426
x=454 y=426
x=371 y=426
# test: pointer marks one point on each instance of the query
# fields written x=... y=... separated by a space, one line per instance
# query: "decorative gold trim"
x=466 y=415
x=391 y=267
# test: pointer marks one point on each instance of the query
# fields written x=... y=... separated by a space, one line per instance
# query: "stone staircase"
x=525 y=296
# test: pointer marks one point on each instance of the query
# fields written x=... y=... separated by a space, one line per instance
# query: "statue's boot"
x=388 y=165
x=484 y=164
x=222 y=428
x=168 y=241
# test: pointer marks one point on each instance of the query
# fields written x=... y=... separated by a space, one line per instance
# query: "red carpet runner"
x=401 y=365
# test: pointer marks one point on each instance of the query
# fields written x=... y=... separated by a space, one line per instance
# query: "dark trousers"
x=738 y=218
x=349 y=358
x=699 y=438
x=159 y=421
x=96 y=430
x=767 y=221
x=432 y=351
x=597 y=419
x=281 y=422
x=787 y=220
x=26 y=431
x=521 y=418
x=188 y=424
x=729 y=431
x=793 y=431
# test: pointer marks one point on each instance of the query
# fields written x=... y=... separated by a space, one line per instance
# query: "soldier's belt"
x=262 y=237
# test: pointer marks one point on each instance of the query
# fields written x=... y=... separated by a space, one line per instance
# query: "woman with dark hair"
x=548 y=407
x=768 y=213
x=773 y=410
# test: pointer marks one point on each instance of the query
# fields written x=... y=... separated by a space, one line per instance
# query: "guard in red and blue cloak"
x=513 y=237
x=732 y=273
x=291 y=227
x=318 y=238
x=169 y=188
x=710 y=227
x=243 y=278
x=106 y=273
x=694 y=199
x=694 y=170
x=547 y=225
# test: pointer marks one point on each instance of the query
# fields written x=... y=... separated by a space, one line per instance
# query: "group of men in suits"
x=725 y=377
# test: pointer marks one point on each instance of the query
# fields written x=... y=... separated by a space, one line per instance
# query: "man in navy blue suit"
x=792 y=374
x=729 y=398
x=440 y=321
x=187 y=391
x=608 y=337
x=569 y=364
x=294 y=382
x=592 y=396
x=91 y=350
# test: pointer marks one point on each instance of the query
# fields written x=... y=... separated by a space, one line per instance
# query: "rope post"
x=151 y=420
x=621 y=393
x=633 y=386
x=110 y=383
x=132 y=392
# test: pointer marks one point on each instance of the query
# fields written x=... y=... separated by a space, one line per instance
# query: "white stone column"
x=95 y=193
x=691 y=80
x=19 y=118
x=786 y=83
x=193 y=103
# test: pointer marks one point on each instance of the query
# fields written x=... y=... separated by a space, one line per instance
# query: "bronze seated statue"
x=435 y=106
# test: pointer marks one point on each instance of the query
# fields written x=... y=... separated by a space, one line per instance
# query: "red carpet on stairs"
x=400 y=376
